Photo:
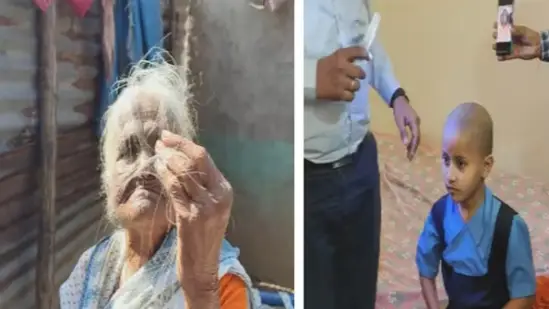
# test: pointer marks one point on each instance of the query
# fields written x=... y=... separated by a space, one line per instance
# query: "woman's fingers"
x=191 y=183
x=198 y=159
x=195 y=170
x=181 y=200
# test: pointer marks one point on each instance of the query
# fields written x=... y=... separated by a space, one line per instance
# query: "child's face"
x=464 y=168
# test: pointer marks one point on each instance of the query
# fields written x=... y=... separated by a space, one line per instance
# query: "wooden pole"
x=47 y=93
x=174 y=25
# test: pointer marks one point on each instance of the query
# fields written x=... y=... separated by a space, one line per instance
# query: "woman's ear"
x=488 y=164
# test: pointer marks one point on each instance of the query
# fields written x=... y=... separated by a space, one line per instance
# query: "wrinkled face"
x=135 y=190
x=463 y=166
x=154 y=98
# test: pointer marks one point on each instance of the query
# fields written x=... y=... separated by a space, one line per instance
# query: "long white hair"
x=157 y=81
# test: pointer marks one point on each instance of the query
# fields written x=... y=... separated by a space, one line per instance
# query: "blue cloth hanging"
x=138 y=32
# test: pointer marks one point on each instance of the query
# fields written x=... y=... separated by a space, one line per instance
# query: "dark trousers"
x=342 y=231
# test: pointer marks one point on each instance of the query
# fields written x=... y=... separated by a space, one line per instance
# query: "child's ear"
x=488 y=164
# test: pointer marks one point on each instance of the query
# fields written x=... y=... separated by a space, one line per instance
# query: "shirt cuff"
x=544 y=37
x=388 y=86
x=522 y=290
x=427 y=273
x=309 y=83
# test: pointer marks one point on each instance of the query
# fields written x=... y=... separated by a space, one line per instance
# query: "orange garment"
x=232 y=292
x=542 y=293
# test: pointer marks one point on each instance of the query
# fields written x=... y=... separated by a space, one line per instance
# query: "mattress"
x=408 y=192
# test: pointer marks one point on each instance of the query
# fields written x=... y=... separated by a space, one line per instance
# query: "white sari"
x=93 y=284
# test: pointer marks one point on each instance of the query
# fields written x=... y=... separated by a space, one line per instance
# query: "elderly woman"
x=171 y=206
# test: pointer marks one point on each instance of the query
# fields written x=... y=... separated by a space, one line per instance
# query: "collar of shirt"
x=478 y=224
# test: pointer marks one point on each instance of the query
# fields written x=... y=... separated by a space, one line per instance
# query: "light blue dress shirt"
x=469 y=245
x=335 y=129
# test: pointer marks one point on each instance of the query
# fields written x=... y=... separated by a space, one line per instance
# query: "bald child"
x=482 y=244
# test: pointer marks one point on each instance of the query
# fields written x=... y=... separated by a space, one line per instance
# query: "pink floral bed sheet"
x=408 y=192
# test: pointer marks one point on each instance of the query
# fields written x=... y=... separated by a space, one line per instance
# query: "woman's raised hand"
x=202 y=200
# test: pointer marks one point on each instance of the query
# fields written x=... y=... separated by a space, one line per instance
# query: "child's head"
x=467 y=150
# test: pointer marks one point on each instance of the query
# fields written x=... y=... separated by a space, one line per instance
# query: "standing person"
x=528 y=44
x=342 y=198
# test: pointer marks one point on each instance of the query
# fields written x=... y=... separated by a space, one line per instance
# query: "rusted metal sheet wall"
x=79 y=207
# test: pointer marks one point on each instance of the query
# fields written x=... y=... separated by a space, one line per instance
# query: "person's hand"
x=337 y=77
x=526 y=43
x=202 y=200
x=407 y=122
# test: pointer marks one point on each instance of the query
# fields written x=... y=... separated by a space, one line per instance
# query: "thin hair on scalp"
x=162 y=85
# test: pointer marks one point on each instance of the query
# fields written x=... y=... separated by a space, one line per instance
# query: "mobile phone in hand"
x=504 y=39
